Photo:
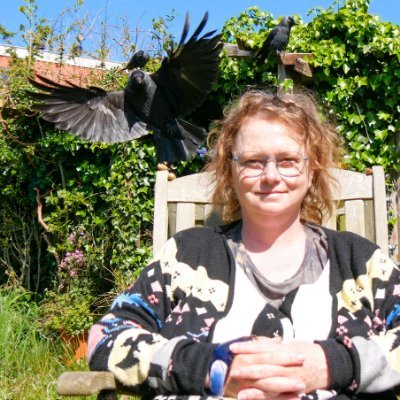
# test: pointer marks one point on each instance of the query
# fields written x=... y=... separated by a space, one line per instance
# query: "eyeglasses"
x=288 y=163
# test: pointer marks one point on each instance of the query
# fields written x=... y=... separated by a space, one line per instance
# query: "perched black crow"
x=138 y=60
x=277 y=39
x=150 y=102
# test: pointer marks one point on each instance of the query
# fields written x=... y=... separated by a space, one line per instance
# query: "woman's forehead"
x=284 y=125
x=258 y=132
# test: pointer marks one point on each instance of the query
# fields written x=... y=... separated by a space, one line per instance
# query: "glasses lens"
x=251 y=164
x=289 y=163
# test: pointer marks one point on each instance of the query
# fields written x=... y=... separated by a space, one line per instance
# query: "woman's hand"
x=266 y=368
x=314 y=372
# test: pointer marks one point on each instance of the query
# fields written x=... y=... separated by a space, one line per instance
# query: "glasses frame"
x=267 y=160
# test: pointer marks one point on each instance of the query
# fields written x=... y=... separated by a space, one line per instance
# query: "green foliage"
x=245 y=26
x=97 y=202
x=5 y=35
x=68 y=312
x=356 y=74
x=29 y=361
x=37 y=32
x=237 y=74
x=160 y=35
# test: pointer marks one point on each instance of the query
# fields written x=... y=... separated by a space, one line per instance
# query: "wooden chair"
x=186 y=202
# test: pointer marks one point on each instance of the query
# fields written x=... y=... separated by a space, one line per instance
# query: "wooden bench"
x=186 y=202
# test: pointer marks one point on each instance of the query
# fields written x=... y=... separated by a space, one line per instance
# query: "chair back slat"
x=185 y=216
x=355 y=217
x=186 y=202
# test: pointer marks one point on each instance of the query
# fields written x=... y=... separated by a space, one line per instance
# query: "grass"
x=30 y=362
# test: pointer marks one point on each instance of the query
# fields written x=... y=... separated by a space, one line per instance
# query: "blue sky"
x=139 y=14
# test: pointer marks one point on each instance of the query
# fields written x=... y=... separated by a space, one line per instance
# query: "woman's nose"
x=270 y=172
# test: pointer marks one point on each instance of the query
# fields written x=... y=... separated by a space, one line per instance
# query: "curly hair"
x=298 y=111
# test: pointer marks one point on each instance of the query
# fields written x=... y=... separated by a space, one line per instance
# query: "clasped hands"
x=266 y=368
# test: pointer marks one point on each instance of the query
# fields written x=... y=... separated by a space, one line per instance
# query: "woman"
x=271 y=305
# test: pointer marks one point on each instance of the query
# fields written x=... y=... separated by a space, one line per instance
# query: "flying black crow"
x=138 y=60
x=150 y=102
x=277 y=39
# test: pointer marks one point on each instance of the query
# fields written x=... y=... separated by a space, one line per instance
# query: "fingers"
x=256 y=345
x=270 y=351
x=276 y=385
x=256 y=372
x=265 y=339
x=277 y=388
x=255 y=394
x=260 y=370
x=265 y=382
x=275 y=357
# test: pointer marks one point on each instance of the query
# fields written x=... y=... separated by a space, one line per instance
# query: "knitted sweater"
x=158 y=335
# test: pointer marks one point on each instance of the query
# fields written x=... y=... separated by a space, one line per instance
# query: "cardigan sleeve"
x=368 y=362
x=128 y=340
x=379 y=352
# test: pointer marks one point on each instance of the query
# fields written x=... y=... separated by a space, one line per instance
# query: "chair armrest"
x=84 y=383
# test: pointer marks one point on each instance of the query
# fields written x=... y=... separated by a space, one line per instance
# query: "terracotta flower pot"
x=77 y=344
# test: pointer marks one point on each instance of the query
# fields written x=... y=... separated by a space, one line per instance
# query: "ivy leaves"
x=356 y=74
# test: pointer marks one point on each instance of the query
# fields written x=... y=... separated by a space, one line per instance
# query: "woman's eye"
x=252 y=163
x=287 y=162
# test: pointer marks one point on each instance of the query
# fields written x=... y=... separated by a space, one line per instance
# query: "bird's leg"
x=281 y=54
x=171 y=176
x=163 y=166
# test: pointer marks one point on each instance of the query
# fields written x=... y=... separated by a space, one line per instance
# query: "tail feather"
x=180 y=142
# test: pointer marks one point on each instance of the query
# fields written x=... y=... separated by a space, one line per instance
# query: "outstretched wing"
x=187 y=74
x=90 y=113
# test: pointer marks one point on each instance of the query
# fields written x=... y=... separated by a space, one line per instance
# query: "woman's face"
x=270 y=193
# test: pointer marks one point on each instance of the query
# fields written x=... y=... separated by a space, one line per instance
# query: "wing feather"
x=90 y=113
x=187 y=74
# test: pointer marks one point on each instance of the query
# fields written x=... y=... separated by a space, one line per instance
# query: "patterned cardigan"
x=158 y=335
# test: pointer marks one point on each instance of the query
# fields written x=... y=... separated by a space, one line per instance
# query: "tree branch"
x=39 y=210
